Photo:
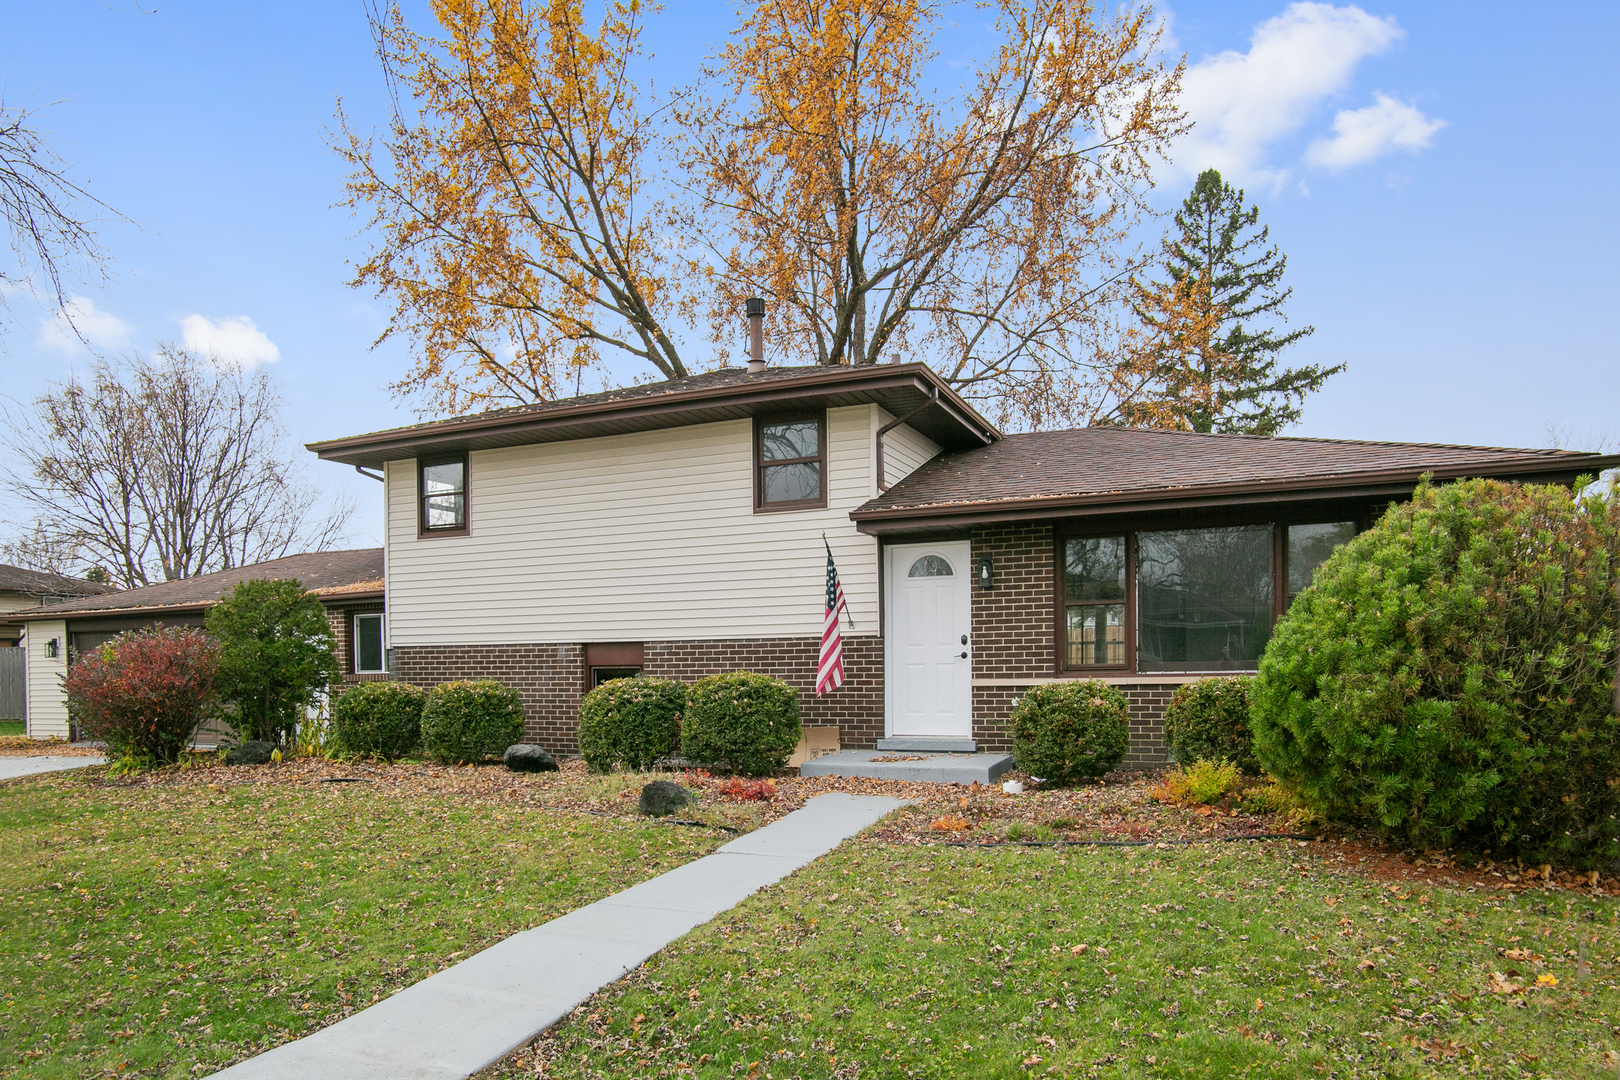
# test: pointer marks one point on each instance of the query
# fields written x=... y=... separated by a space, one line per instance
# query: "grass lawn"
x=1264 y=959
x=13 y=727
x=167 y=929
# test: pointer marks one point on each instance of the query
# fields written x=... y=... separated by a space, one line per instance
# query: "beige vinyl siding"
x=643 y=537
x=47 y=704
x=10 y=602
x=905 y=450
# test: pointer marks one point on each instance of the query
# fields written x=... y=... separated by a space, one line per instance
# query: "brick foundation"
x=551 y=678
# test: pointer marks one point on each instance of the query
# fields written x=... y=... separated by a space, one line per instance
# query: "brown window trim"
x=1279 y=518
x=422 y=463
x=760 y=505
x=1061 y=638
x=354 y=615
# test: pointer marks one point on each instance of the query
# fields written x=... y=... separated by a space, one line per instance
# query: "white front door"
x=930 y=659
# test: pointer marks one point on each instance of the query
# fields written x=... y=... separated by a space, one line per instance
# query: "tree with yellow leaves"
x=982 y=234
x=516 y=237
x=519 y=244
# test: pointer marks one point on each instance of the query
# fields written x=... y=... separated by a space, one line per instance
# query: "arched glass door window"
x=930 y=566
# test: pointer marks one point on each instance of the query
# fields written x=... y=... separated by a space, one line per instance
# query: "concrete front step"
x=915 y=767
x=918 y=744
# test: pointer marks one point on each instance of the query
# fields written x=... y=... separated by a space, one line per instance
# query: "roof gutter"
x=38 y=614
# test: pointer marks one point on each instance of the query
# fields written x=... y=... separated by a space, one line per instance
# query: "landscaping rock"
x=252 y=752
x=662 y=798
x=523 y=757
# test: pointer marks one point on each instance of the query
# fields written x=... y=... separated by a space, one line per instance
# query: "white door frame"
x=897 y=559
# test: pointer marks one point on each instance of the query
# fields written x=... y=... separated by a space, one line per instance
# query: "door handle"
x=964 y=654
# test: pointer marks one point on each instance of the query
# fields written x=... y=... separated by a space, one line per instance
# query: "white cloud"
x=1361 y=135
x=1243 y=103
x=101 y=329
x=233 y=338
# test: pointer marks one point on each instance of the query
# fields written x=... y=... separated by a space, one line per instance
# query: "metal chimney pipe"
x=756 y=334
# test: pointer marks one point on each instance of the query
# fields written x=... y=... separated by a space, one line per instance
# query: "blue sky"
x=1439 y=174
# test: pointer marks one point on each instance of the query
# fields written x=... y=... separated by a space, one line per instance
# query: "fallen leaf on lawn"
x=1547 y=980
x=1501 y=984
x=1331 y=901
x=1078 y=949
x=1436 y=1050
x=1258 y=1005
x=1366 y=965
x=1523 y=955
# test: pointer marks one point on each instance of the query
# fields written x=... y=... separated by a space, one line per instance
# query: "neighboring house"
x=349 y=583
x=676 y=529
x=22 y=589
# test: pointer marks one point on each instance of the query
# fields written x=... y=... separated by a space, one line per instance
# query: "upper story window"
x=442 y=493
x=790 y=462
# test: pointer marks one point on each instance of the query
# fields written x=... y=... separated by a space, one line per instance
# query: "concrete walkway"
x=13 y=767
x=452 y=1024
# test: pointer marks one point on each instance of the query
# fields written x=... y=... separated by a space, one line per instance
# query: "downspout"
x=890 y=426
x=369 y=475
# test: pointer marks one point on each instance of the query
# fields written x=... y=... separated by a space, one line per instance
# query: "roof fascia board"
x=917 y=376
x=1364 y=485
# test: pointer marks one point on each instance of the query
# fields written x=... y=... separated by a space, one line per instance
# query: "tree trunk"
x=857 y=334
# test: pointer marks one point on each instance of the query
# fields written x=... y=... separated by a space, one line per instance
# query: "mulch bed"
x=1118 y=809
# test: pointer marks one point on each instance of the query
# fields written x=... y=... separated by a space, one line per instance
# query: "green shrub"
x=383 y=719
x=633 y=722
x=470 y=721
x=1205 y=781
x=747 y=722
x=275 y=656
x=1065 y=732
x=1448 y=679
x=1210 y=719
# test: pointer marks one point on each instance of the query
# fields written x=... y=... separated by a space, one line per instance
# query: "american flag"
x=830 y=670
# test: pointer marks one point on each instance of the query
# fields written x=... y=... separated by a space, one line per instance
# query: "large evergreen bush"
x=632 y=722
x=747 y=722
x=1448 y=680
x=1208 y=720
x=275 y=656
x=1066 y=732
x=472 y=720
x=145 y=692
x=382 y=719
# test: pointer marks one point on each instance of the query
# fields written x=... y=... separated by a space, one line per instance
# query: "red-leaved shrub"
x=145 y=692
x=748 y=790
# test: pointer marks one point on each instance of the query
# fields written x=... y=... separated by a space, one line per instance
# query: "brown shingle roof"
x=1139 y=466
x=35 y=583
x=911 y=389
x=324 y=573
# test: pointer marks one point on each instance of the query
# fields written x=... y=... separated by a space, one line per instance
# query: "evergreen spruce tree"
x=1205 y=356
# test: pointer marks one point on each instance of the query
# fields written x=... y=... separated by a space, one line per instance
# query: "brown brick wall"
x=551 y=678
x=1012 y=623
x=856 y=708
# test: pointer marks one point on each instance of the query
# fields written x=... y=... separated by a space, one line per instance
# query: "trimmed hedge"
x=1065 y=732
x=471 y=720
x=746 y=722
x=633 y=722
x=1448 y=679
x=1209 y=721
x=383 y=719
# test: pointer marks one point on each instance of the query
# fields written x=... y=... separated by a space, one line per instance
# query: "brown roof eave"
x=1364 y=485
x=361 y=449
x=38 y=614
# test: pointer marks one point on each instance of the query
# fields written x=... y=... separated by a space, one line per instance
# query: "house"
x=676 y=529
x=349 y=584
x=22 y=589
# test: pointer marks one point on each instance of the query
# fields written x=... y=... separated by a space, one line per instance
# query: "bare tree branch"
x=163 y=468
